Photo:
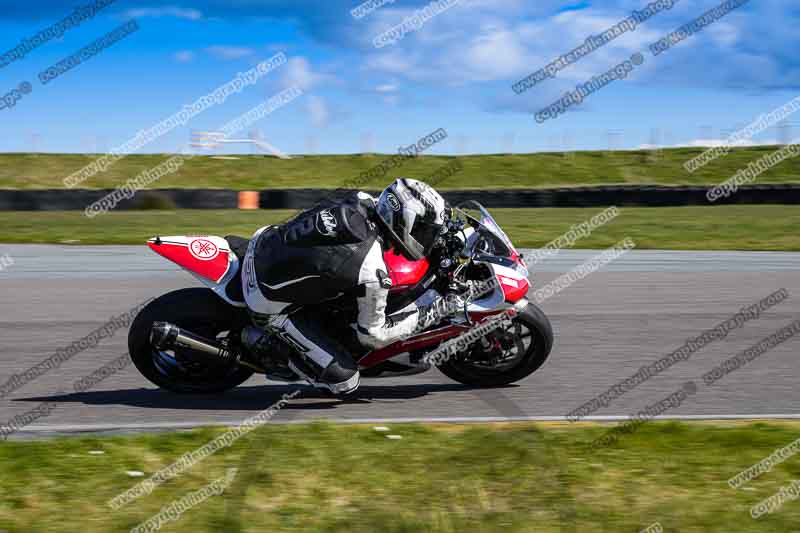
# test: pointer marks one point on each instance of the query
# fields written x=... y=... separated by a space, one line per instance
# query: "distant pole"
x=669 y=138
x=656 y=138
x=567 y=144
x=462 y=144
x=706 y=133
x=368 y=142
x=552 y=143
x=257 y=136
x=193 y=135
x=656 y=142
x=312 y=145
x=615 y=138
x=507 y=144
x=785 y=132
x=35 y=142
x=725 y=134
x=91 y=144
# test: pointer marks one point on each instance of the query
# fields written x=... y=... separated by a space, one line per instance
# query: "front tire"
x=200 y=311
x=530 y=323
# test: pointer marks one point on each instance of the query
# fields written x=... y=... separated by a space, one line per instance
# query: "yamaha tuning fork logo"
x=203 y=249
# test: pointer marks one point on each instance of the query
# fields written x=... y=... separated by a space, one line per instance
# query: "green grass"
x=509 y=477
x=682 y=228
x=43 y=171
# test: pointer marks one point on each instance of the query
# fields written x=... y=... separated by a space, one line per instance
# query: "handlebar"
x=456 y=253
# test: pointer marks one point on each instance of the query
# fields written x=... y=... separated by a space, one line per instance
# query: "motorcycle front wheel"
x=529 y=341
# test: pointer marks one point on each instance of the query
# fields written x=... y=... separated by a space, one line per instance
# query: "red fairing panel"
x=514 y=288
x=427 y=339
x=205 y=256
x=423 y=340
x=404 y=273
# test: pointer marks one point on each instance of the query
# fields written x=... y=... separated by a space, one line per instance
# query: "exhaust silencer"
x=166 y=336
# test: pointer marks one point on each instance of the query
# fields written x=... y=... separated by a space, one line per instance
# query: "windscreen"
x=498 y=242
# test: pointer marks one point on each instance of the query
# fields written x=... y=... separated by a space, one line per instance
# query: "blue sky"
x=455 y=73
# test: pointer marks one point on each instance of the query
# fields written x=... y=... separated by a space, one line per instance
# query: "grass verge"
x=503 y=477
x=249 y=172
x=761 y=228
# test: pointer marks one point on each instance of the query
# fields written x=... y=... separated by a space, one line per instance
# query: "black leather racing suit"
x=323 y=253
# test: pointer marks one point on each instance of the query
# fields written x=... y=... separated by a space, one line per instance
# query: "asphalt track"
x=632 y=312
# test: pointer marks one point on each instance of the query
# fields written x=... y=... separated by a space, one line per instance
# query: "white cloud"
x=705 y=143
x=386 y=88
x=708 y=143
x=278 y=47
x=298 y=72
x=724 y=33
x=393 y=62
x=484 y=41
x=166 y=11
x=478 y=43
x=711 y=143
x=230 y=52
x=318 y=111
x=184 y=56
x=497 y=53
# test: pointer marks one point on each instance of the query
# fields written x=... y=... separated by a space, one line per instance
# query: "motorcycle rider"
x=336 y=249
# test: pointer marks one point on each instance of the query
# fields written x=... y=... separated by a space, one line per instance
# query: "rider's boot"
x=336 y=378
x=301 y=350
x=318 y=356
x=271 y=352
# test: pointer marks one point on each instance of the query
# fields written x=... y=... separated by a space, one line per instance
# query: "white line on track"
x=89 y=428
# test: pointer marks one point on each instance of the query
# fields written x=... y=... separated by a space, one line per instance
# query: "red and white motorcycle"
x=189 y=340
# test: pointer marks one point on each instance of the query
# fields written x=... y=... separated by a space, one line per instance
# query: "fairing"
x=403 y=272
x=207 y=257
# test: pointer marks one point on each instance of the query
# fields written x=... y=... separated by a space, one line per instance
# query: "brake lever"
x=466 y=314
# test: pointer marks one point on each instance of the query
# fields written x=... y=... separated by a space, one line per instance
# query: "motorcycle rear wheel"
x=530 y=323
x=200 y=311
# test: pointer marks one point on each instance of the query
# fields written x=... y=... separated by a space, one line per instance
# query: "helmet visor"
x=425 y=233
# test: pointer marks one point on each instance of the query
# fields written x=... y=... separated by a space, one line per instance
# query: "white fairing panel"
x=220 y=288
x=208 y=258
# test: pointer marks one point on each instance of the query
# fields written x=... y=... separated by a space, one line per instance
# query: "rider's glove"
x=441 y=308
x=480 y=289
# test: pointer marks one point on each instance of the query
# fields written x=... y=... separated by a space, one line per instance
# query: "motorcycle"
x=190 y=340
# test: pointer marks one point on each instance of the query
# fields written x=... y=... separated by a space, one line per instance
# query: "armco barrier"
x=628 y=196
x=79 y=199
x=623 y=195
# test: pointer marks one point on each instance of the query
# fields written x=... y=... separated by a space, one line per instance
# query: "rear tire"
x=533 y=319
x=200 y=311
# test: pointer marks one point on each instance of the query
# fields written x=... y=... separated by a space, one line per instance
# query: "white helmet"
x=413 y=214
